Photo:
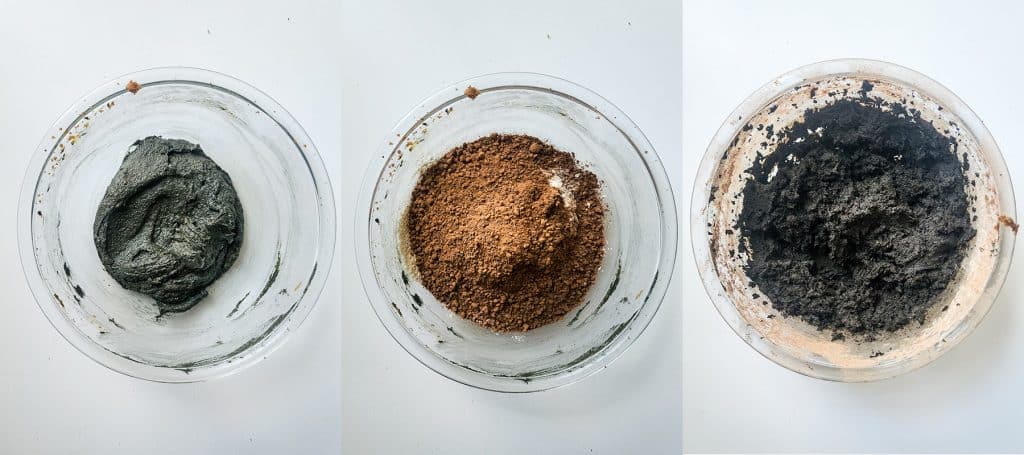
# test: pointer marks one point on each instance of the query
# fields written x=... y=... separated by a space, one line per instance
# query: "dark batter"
x=863 y=224
x=169 y=224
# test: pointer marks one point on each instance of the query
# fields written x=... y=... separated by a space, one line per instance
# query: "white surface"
x=396 y=54
x=56 y=400
x=968 y=400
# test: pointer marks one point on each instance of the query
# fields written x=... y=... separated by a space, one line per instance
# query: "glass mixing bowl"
x=640 y=226
x=288 y=237
x=789 y=341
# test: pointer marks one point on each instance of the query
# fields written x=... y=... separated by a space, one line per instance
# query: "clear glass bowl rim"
x=233 y=86
x=510 y=80
x=757 y=100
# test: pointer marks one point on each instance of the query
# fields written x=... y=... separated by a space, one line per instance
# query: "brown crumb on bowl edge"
x=1009 y=222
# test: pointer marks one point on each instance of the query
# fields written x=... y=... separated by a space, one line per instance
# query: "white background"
x=348 y=72
x=54 y=399
x=395 y=54
x=970 y=399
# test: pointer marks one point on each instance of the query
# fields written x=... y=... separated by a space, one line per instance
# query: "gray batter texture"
x=169 y=224
x=859 y=220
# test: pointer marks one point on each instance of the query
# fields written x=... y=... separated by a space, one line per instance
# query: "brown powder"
x=133 y=87
x=471 y=92
x=507 y=231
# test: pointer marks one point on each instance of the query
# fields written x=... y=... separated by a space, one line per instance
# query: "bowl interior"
x=283 y=236
x=793 y=342
x=636 y=240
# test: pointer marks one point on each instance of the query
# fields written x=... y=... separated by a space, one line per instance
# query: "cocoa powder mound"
x=507 y=231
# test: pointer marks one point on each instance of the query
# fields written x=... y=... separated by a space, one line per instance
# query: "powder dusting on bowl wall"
x=137 y=248
x=853 y=220
x=504 y=246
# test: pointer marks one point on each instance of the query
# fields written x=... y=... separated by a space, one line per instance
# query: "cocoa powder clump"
x=507 y=231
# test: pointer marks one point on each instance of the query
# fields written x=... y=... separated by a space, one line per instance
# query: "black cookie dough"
x=169 y=224
x=864 y=222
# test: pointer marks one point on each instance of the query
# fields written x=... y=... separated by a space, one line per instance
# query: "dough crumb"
x=1008 y=222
